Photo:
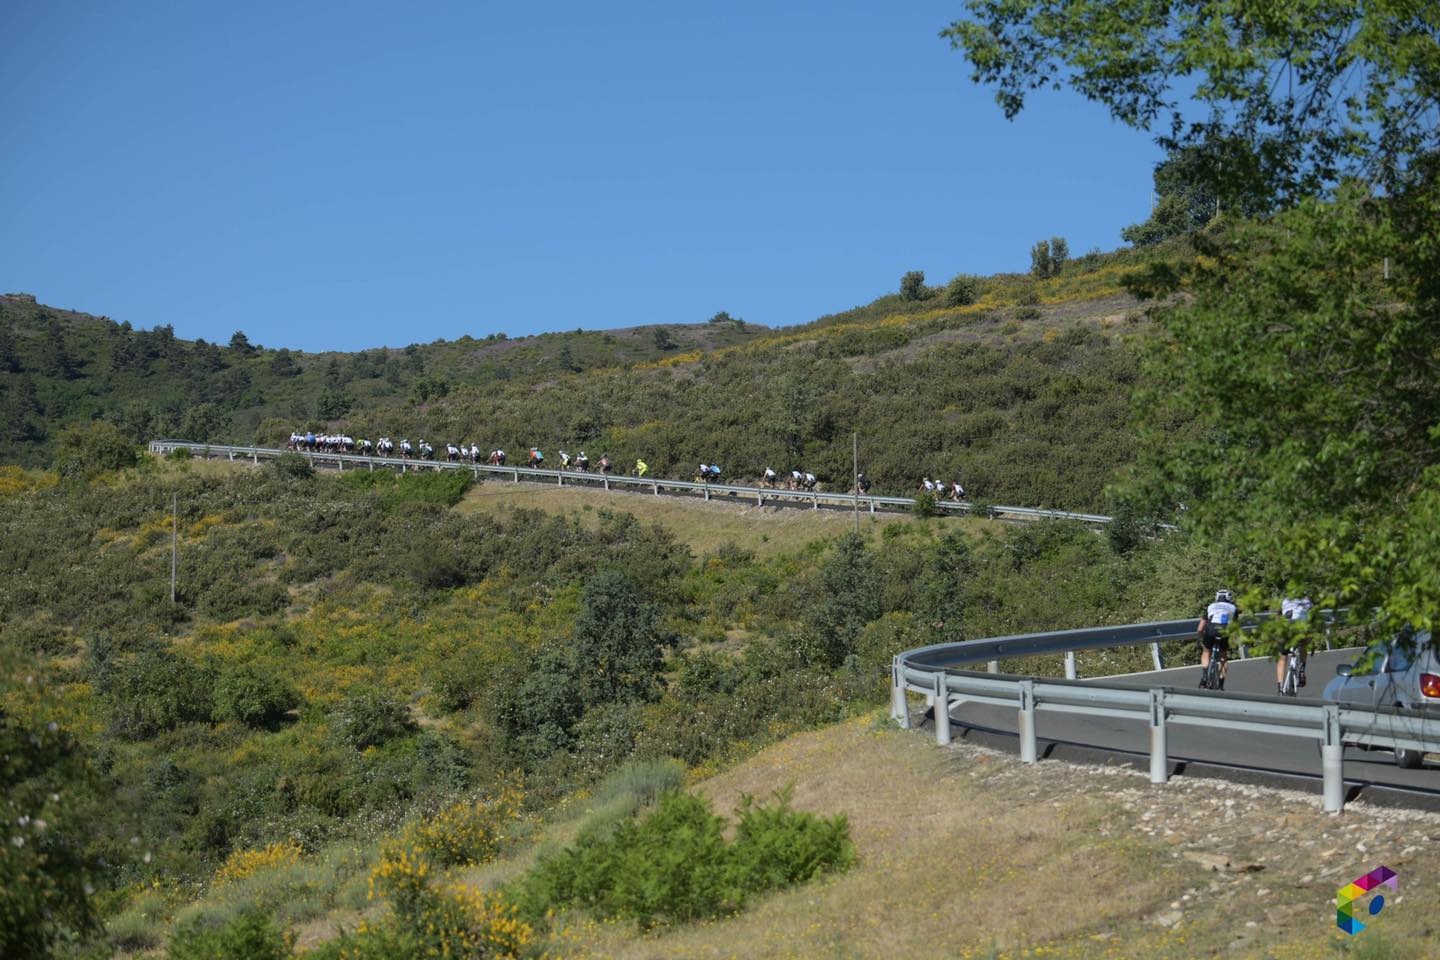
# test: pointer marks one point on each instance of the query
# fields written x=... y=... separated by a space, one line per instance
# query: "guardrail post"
x=1069 y=664
x=899 y=706
x=1332 y=761
x=1159 y=753
x=606 y=482
x=1328 y=628
x=1027 y=721
x=1244 y=651
x=942 y=711
x=706 y=491
x=560 y=479
x=872 y=506
x=255 y=457
x=1158 y=656
x=656 y=488
x=340 y=464
x=404 y=467
x=371 y=463
x=516 y=474
x=814 y=502
x=993 y=666
x=231 y=456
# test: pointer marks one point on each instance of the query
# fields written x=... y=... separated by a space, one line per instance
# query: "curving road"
x=1230 y=750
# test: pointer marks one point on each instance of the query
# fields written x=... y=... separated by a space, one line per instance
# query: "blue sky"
x=346 y=175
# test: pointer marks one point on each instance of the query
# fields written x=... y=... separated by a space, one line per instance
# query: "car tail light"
x=1430 y=685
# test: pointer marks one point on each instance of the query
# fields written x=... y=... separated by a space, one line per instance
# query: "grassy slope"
x=705 y=527
x=966 y=853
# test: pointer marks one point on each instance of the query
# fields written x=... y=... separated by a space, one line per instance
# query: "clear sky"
x=345 y=175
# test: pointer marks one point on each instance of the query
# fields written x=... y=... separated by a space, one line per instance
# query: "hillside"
x=1023 y=391
x=347 y=654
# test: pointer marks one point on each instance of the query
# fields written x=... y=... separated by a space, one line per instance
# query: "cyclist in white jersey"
x=1295 y=609
x=1210 y=632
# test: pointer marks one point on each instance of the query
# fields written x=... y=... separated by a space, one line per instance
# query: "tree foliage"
x=1315 y=386
x=1286 y=97
x=912 y=286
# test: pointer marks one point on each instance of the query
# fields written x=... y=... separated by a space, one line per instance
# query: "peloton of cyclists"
x=1210 y=632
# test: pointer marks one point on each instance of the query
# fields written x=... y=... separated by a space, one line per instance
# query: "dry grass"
x=965 y=853
x=766 y=531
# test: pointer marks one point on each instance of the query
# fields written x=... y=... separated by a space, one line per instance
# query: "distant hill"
x=1020 y=387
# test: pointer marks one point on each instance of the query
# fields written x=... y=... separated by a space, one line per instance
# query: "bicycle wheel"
x=1291 y=686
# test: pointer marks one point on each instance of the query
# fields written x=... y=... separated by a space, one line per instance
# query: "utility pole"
x=174 y=541
x=855 y=463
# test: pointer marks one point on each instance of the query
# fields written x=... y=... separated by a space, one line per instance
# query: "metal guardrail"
x=654 y=485
x=935 y=672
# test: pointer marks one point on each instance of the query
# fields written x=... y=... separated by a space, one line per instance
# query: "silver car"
x=1404 y=672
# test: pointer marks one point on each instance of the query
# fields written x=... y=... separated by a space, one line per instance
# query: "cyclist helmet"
x=1224 y=596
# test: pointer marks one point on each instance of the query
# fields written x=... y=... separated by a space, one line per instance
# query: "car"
x=1401 y=672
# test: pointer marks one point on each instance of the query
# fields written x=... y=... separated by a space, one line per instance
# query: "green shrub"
x=370 y=718
x=925 y=505
x=962 y=291
x=84 y=451
x=675 y=865
x=180 y=454
x=253 y=696
x=154 y=691
x=290 y=466
x=249 y=935
x=640 y=783
x=912 y=286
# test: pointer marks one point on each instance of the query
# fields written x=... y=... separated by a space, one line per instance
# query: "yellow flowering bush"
x=449 y=921
x=242 y=863
x=468 y=832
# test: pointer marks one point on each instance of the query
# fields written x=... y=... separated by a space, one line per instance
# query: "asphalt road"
x=1261 y=753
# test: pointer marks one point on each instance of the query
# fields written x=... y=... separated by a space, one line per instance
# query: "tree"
x=1310 y=393
x=85 y=450
x=283 y=364
x=1287 y=98
x=1040 y=260
x=849 y=601
x=617 y=638
x=9 y=355
x=941 y=602
x=912 y=286
x=56 y=359
x=46 y=787
x=1059 y=255
x=722 y=317
x=241 y=343
x=663 y=340
x=332 y=404
x=962 y=291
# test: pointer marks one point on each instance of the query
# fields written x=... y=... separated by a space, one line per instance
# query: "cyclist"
x=767 y=479
x=605 y=463
x=862 y=483
x=536 y=458
x=641 y=468
x=1294 y=609
x=796 y=477
x=582 y=462
x=1210 y=632
x=714 y=472
x=564 y=460
x=957 y=492
x=703 y=473
x=810 y=482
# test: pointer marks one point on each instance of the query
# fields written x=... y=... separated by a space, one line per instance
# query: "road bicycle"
x=1290 y=686
x=1210 y=678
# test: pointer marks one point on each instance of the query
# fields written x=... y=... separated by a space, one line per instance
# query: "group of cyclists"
x=1211 y=633
x=310 y=442
x=939 y=488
